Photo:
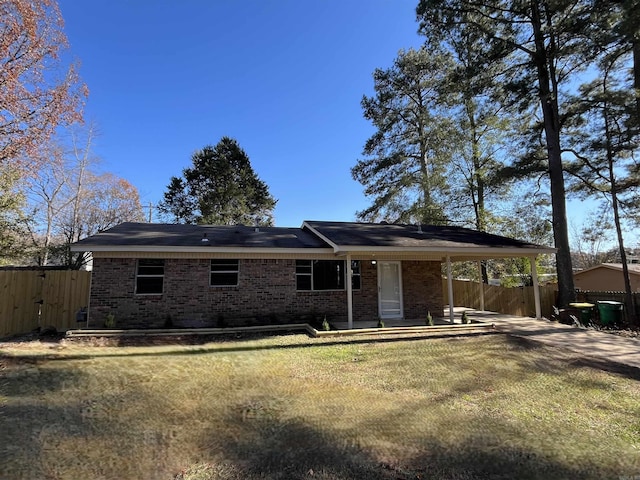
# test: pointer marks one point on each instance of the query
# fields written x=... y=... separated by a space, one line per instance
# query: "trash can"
x=586 y=311
x=610 y=312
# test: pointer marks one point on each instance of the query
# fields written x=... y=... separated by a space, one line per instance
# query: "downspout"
x=450 y=288
x=349 y=293
x=536 y=286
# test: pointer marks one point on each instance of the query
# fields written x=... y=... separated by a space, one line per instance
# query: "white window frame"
x=149 y=275
x=235 y=271
x=310 y=274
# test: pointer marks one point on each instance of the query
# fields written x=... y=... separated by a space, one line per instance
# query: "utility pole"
x=150 y=212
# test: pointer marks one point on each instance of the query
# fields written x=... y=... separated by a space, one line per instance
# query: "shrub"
x=110 y=322
x=380 y=323
x=465 y=317
x=325 y=325
x=429 y=319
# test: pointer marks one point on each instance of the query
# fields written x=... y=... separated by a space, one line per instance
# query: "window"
x=150 y=277
x=355 y=274
x=224 y=273
x=325 y=274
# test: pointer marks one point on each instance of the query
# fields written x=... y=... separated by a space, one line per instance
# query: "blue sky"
x=283 y=77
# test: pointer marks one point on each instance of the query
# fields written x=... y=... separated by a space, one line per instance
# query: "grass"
x=291 y=407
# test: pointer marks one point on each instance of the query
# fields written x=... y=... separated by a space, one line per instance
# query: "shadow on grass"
x=270 y=448
x=290 y=449
x=25 y=420
x=215 y=345
x=572 y=360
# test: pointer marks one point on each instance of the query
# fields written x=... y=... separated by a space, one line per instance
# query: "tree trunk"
x=550 y=111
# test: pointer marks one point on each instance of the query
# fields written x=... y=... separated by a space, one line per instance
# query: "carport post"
x=481 y=286
x=536 y=286
x=349 y=293
x=450 y=288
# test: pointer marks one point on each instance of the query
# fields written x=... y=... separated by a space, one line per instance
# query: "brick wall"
x=266 y=294
x=422 y=289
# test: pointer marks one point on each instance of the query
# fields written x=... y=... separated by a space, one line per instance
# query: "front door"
x=389 y=290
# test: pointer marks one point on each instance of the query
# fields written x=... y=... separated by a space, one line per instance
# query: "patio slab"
x=588 y=342
x=585 y=341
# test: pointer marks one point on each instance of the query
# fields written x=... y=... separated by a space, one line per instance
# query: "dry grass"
x=293 y=407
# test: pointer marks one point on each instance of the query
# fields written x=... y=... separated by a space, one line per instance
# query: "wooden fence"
x=40 y=298
x=511 y=301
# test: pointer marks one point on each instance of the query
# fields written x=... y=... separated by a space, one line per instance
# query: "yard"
x=293 y=407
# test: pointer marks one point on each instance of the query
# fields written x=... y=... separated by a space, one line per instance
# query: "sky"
x=283 y=77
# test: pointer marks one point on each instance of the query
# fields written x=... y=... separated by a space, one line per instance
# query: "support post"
x=481 y=286
x=450 y=288
x=536 y=286
x=349 y=293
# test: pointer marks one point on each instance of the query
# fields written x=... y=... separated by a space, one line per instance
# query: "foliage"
x=429 y=320
x=36 y=93
x=404 y=168
x=325 y=325
x=542 y=44
x=221 y=188
x=110 y=321
x=12 y=217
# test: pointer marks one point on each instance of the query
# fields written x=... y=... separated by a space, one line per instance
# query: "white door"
x=389 y=290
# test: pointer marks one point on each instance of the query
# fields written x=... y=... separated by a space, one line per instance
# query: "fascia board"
x=335 y=246
x=202 y=249
x=451 y=251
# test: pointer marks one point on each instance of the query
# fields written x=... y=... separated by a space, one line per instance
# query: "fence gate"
x=39 y=298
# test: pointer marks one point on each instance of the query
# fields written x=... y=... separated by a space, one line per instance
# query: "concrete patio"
x=589 y=342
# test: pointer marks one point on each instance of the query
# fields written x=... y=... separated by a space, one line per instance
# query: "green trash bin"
x=586 y=311
x=610 y=312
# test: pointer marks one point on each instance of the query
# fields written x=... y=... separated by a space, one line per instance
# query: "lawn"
x=292 y=407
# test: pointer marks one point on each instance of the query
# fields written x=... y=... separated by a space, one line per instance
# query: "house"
x=200 y=275
x=607 y=277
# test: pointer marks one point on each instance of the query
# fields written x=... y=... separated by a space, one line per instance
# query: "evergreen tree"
x=221 y=188
x=406 y=158
x=542 y=41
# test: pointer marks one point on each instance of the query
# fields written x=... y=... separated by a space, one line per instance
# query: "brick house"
x=151 y=275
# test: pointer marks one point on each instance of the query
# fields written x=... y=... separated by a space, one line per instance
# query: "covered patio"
x=395 y=244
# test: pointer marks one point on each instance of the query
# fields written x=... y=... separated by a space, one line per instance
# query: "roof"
x=135 y=236
x=314 y=236
x=381 y=237
x=634 y=268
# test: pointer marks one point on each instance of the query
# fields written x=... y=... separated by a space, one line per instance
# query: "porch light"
x=373 y=262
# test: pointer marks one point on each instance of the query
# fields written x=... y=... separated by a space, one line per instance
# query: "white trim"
x=437 y=253
x=481 y=283
x=495 y=252
x=349 y=281
x=335 y=246
x=536 y=286
x=200 y=249
x=450 y=288
x=236 y=271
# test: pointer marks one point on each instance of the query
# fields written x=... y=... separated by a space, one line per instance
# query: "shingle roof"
x=179 y=235
x=353 y=234
x=328 y=237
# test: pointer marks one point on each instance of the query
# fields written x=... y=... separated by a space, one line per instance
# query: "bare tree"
x=36 y=92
